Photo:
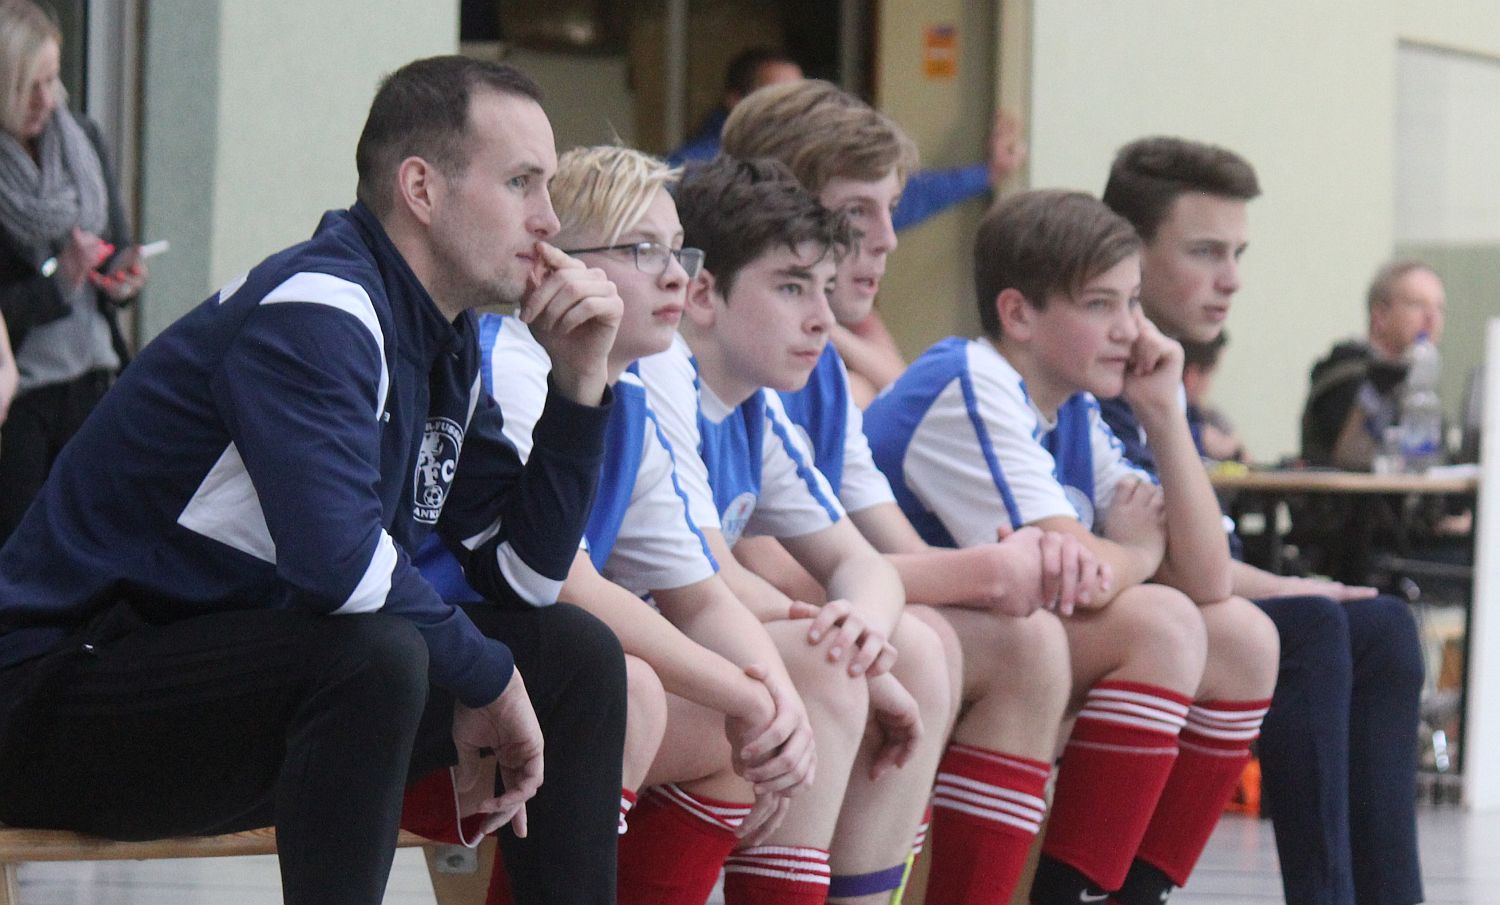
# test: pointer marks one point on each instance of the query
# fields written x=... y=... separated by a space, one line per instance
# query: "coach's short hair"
x=606 y=189
x=739 y=210
x=819 y=130
x=1149 y=174
x=422 y=110
x=1045 y=241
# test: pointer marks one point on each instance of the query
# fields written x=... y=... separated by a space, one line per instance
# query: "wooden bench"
x=20 y=846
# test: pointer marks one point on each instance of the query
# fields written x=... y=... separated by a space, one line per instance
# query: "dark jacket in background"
x=1334 y=390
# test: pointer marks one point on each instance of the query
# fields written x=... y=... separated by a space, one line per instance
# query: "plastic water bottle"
x=1421 y=409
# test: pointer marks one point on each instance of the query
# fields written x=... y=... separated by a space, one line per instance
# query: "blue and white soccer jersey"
x=752 y=472
x=966 y=450
x=639 y=533
x=833 y=426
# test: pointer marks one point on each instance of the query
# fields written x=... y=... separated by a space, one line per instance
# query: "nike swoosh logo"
x=1087 y=897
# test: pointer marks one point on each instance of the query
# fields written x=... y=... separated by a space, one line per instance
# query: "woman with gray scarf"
x=61 y=278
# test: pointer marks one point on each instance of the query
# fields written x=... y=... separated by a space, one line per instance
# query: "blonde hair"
x=24 y=29
x=821 y=131
x=607 y=189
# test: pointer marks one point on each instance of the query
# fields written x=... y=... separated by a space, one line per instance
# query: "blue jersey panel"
x=1072 y=448
x=731 y=450
x=822 y=410
x=442 y=571
x=622 y=462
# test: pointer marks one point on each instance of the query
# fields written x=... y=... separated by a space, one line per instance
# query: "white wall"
x=251 y=113
x=589 y=98
x=1470 y=25
x=928 y=291
x=1482 y=746
x=289 y=120
x=1447 y=145
x=1305 y=92
x=1447 y=193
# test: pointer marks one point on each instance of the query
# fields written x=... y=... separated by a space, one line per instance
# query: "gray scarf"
x=41 y=202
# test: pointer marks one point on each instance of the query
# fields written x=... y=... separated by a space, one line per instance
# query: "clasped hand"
x=1036 y=569
x=773 y=751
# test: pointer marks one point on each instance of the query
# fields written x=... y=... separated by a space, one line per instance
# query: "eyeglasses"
x=652 y=257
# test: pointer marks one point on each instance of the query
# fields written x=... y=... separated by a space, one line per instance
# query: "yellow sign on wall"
x=940 y=52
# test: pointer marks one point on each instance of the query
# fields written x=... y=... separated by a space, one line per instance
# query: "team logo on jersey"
x=437 y=460
x=736 y=516
x=1081 y=504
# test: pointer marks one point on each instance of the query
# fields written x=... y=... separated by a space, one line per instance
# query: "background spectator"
x=1356 y=388
x=928 y=192
x=60 y=276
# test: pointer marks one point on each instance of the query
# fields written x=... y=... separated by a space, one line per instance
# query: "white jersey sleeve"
x=659 y=546
x=974 y=460
x=795 y=499
x=523 y=365
x=672 y=392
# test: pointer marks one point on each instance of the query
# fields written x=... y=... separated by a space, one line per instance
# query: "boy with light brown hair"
x=1170 y=674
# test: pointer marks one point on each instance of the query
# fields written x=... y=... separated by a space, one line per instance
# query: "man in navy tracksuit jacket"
x=209 y=620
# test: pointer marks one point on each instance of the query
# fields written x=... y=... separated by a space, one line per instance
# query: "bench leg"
x=10 y=887
x=455 y=889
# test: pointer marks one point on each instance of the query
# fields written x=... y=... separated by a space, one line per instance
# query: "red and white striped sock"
x=776 y=875
x=627 y=801
x=676 y=844
x=987 y=808
x=1215 y=746
x=1113 y=770
x=921 y=838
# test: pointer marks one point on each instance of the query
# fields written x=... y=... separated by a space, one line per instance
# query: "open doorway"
x=649 y=71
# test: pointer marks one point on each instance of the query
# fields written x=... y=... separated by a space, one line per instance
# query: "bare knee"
x=922 y=667
x=828 y=691
x=645 y=719
x=953 y=651
x=1244 y=651
x=1028 y=663
x=1160 y=636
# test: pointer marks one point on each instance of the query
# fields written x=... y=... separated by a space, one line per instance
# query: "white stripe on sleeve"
x=346 y=296
x=532 y=586
x=373 y=588
x=226 y=508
